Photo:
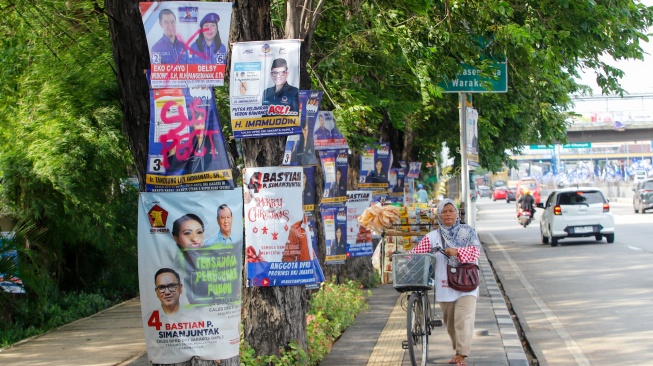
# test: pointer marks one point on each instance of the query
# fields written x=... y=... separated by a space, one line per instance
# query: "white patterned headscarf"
x=457 y=235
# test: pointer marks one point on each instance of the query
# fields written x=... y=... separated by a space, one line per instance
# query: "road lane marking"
x=635 y=248
x=572 y=346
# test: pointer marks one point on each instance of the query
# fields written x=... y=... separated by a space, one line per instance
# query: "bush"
x=332 y=309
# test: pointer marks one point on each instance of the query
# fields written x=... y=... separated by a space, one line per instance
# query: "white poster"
x=189 y=269
x=187 y=42
x=278 y=248
x=264 y=88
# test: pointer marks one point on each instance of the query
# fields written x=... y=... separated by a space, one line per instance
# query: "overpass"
x=612 y=119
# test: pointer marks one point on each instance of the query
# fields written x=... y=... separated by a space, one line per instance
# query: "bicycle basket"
x=412 y=271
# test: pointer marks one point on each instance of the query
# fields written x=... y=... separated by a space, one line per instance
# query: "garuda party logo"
x=158 y=218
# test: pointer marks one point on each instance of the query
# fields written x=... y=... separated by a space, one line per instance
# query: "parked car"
x=532 y=185
x=576 y=212
x=499 y=193
x=643 y=197
x=511 y=194
x=484 y=191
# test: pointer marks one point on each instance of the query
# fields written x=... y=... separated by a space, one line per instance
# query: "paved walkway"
x=115 y=336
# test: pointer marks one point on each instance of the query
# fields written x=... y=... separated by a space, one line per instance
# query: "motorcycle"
x=524 y=217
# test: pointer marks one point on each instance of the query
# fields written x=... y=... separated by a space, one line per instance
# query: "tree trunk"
x=131 y=59
x=273 y=317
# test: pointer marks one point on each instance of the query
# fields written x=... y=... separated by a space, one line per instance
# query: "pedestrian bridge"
x=612 y=119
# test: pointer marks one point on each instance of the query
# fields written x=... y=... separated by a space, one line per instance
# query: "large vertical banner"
x=189 y=269
x=187 y=42
x=359 y=238
x=326 y=133
x=279 y=250
x=375 y=162
x=264 y=88
x=186 y=150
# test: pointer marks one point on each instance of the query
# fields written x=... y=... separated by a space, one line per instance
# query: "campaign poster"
x=335 y=167
x=309 y=189
x=187 y=42
x=335 y=233
x=300 y=149
x=326 y=133
x=413 y=171
x=9 y=278
x=186 y=150
x=189 y=270
x=472 y=136
x=409 y=191
x=375 y=163
x=402 y=163
x=263 y=88
x=359 y=238
x=278 y=250
x=397 y=179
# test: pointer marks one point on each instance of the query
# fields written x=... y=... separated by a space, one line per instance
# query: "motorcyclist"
x=526 y=202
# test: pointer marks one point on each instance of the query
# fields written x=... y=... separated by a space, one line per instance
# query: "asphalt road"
x=584 y=302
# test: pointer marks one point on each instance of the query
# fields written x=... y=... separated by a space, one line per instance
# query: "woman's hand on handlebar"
x=451 y=252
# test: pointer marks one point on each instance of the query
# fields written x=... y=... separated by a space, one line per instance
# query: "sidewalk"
x=375 y=337
x=115 y=336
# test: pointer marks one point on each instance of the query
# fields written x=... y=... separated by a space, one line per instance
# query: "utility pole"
x=464 y=171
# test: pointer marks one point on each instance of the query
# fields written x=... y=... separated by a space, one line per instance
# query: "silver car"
x=574 y=213
x=643 y=197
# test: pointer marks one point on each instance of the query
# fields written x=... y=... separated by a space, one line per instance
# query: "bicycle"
x=412 y=272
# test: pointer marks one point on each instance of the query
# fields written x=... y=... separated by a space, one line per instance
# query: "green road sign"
x=577 y=145
x=470 y=80
x=540 y=147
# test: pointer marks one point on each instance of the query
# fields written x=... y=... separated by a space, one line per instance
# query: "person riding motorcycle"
x=526 y=202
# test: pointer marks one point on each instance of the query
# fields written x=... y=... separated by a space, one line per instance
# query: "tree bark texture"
x=131 y=58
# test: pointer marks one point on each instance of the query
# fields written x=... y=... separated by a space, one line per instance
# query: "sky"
x=638 y=77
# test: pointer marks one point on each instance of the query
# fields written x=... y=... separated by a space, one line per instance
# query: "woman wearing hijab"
x=461 y=244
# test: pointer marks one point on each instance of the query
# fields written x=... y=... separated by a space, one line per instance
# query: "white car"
x=576 y=212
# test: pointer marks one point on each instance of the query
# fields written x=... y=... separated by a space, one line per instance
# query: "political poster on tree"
x=263 y=89
x=326 y=133
x=335 y=167
x=359 y=238
x=186 y=150
x=335 y=233
x=189 y=269
x=300 y=149
x=278 y=245
x=413 y=171
x=187 y=42
x=375 y=164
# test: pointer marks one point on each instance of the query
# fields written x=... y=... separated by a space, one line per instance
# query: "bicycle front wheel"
x=418 y=338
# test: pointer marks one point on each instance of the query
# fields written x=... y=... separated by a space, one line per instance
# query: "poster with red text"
x=278 y=245
x=187 y=42
x=263 y=89
x=189 y=268
x=186 y=150
x=359 y=239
